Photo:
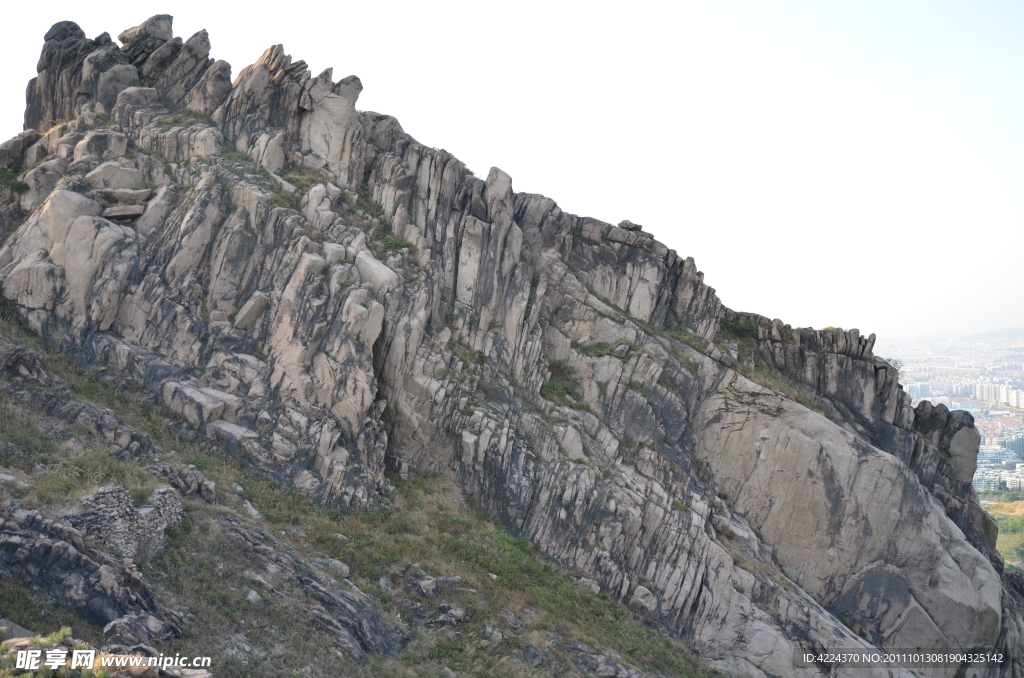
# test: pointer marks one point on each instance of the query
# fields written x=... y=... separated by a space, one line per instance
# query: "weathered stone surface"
x=124 y=212
x=142 y=40
x=344 y=611
x=50 y=558
x=126 y=631
x=41 y=181
x=12 y=151
x=114 y=175
x=101 y=144
x=320 y=355
x=135 y=533
x=9 y=629
x=251 y=310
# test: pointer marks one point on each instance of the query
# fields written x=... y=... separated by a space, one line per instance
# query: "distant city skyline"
x=983 y=374
x=853 y=165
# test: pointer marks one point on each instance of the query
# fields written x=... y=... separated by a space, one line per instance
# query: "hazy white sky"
x=856 y=164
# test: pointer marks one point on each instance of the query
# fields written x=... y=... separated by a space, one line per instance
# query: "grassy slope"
x=428 y=523
x=1010 y=543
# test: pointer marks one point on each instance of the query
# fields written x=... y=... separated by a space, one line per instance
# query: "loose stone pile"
x=134 y=533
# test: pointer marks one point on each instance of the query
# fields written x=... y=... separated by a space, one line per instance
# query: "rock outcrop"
x=580 y=380
x=51 y=558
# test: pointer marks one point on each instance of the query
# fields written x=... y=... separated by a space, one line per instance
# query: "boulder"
x=122 y=212
x=41 y=182
x=113 y=175
x=12 y=151
x=126 y=631
x=10 y=630
x=102 y=145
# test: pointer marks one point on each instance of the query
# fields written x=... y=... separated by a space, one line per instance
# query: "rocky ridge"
x=579 y=379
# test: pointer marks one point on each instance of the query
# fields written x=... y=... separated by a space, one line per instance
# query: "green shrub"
x=680 y=506
x=303 y=178
x=183 y=115
x=393 y=242
x=10 y=187
x=367 y=204
x=596 y=350
x=561 y=388
x=739 y=329
x=282 y=200
x=1009 y=524
x=41 y=616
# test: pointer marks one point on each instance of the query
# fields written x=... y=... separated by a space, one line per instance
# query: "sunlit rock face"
x=330 y=301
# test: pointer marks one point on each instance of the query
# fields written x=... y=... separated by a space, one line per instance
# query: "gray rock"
x=348 y=615
x=643 y=599
x=126 y=631
x=126 y=196
x=419 y=582
x=142 y=40
x=41 y=182
x=659 y=461
x=332 y=566
x=251 y=510
x=251 y=310
x=448 y=582
x=12 y=151
x=123 y=212
x=9 y=630
x=101 y=145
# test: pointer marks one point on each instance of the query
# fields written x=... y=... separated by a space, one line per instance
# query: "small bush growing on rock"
x=562 y=387
x=596 y=350
x=10 y=187
x=232 y=154
x=367 y=204
x=282 y=200
x=303 y=178
x=395 y=243
x=739 y=329
x=184 y=115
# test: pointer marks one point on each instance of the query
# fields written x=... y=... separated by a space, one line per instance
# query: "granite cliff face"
x=396 y=313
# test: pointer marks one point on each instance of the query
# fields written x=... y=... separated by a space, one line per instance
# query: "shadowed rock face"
x=545 y=360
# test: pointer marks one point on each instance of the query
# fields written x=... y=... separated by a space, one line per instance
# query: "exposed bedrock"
x=579 y=379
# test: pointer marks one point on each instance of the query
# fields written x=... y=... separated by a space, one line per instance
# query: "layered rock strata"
x=51 y=558
x=403 y=314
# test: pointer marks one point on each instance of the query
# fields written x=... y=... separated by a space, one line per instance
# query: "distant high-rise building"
x=920 y=390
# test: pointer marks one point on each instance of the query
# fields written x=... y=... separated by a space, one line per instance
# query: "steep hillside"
x=54 y=421
x=337 y=306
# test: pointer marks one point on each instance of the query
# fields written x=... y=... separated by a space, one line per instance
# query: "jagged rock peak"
x=75 y=72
